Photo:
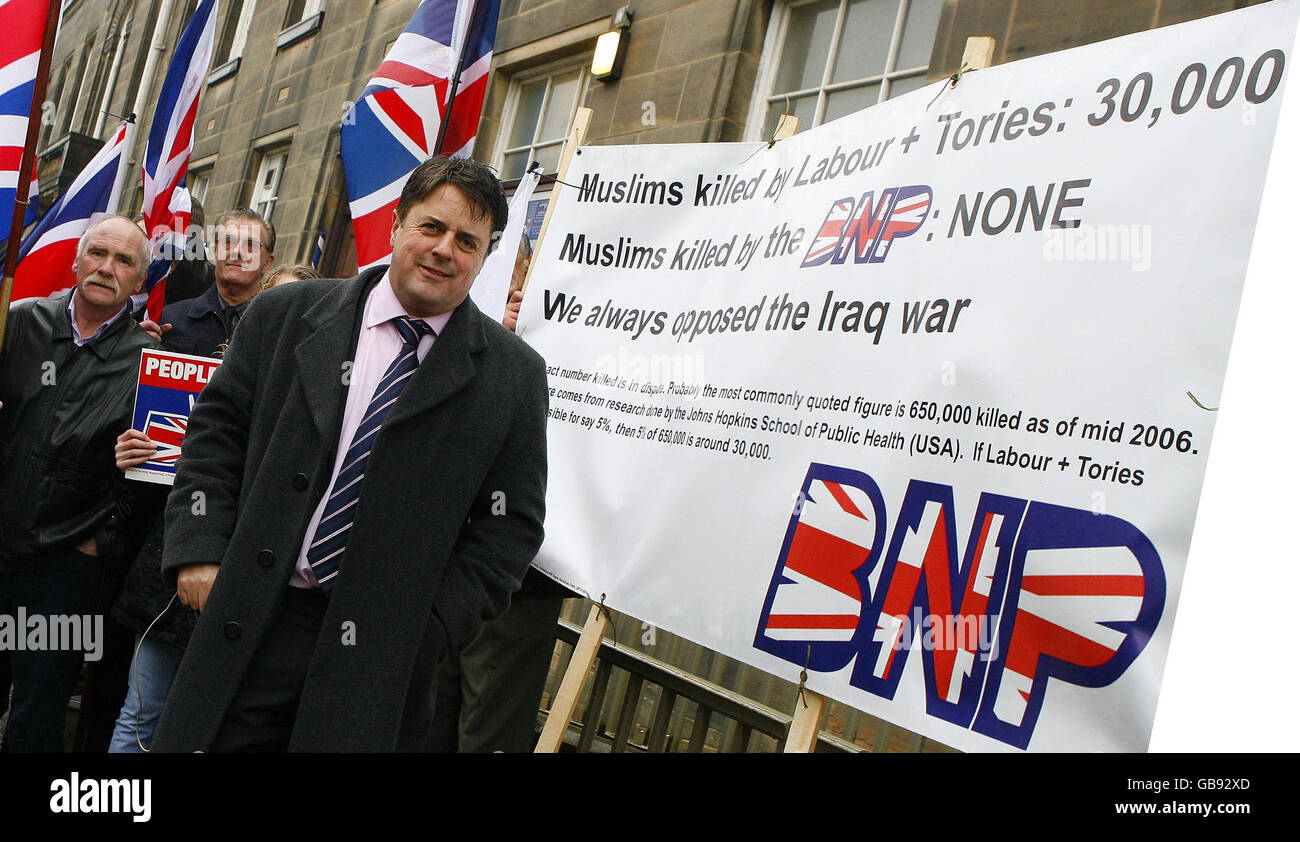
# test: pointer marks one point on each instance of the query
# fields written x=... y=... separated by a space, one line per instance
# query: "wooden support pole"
x=808 y=710
x=789 y=125
x=566 y=698
x=810 y=706
x=978 y=54
x=588 y=647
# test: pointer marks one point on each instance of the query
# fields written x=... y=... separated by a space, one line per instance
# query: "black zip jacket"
x=64 y=407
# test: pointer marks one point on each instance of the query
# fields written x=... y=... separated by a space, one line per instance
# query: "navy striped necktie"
x=331 y=538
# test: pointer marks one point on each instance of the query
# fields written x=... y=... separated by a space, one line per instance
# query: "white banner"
x=920 y=398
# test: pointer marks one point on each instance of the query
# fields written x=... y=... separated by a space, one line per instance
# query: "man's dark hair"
x=252 y=216
x=479 y=184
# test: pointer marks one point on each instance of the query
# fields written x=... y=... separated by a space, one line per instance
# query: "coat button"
x=266 y=558
x=300 y=482
x=232 y=630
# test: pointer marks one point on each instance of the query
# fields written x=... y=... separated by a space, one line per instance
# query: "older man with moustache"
x=67 y=374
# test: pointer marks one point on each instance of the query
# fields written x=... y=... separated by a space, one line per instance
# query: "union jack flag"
x=394 y=127
x=167 y=155
x=23 y=22
x=167 y=431
x=46 y=257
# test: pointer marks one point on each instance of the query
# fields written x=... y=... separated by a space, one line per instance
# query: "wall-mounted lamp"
x=611 y=48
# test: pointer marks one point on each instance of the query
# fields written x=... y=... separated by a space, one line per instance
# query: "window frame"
x=196 y=177
x=309 y=8
x=770 y=63
x=265 y=156
x=308 y=21
x=238 y=30
x=509 y=112
x=85 y=90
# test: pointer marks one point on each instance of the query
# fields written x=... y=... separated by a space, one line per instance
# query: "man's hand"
x=133 y=448
x=88 y=547
x=154 y=329
x=511 y=316
x=194 y=582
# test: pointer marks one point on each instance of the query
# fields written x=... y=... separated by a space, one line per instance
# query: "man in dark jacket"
x=371 y=490
x=202 y=326
x=67 y=374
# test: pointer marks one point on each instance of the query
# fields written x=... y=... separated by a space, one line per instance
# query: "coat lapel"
x=330 y=344
x=447 y=369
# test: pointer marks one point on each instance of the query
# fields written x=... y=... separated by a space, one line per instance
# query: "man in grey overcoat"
x=362 y=486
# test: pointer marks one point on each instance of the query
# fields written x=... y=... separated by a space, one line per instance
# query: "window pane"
x=224 y=48
x=807 y=44
x=841 y=103
x=241 y=28
x=527 y=112
x=918 y=34
x=514 y=165
x=267 y=187
x=804 y=108
x=549 y=156
x=564 y=96
x=898 y=87
x=199 y=184
x=864 y=44
x=272 y=175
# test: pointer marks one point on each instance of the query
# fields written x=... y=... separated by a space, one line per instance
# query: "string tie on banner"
x=952 y=82
x=803 y=678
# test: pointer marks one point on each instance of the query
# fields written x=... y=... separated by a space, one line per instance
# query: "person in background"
x=243 y=246
x=67 y=384
x=159 y=623
x=287 y=274
x=523 y=259
x=106 y=680
x=192 y=275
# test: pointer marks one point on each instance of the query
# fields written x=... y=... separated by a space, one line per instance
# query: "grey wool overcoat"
x=449 y=518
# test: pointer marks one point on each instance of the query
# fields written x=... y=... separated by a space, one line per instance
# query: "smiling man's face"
x=438 y=250
x=111 y=266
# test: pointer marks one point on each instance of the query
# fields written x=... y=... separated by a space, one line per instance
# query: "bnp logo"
x=866 y=227
x=1038 y=593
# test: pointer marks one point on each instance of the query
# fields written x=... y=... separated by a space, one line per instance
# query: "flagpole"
x=25 y=166
x=157 y=47
x=119 y=180
x=455 y=81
